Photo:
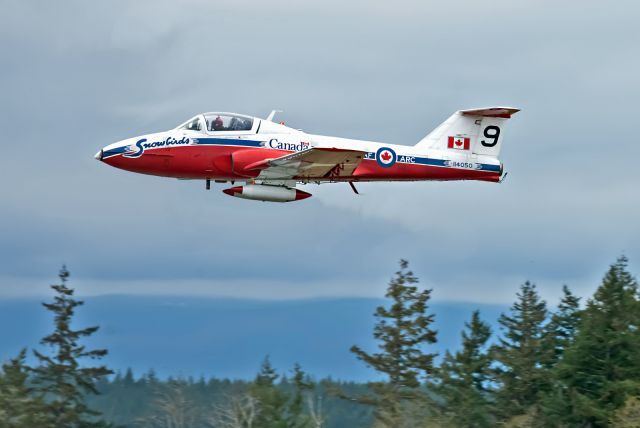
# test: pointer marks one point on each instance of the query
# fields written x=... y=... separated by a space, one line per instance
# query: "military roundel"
x=386 y=157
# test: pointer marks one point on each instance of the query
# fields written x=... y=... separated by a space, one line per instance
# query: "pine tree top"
x=618 y=286
x=60 y=378
x=267 y=374
x=526 y=317
x=402 y=331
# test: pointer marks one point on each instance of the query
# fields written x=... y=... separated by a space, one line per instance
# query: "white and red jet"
x=271 y=158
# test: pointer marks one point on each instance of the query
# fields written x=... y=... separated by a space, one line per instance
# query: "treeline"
x=269 y=400
x=572 y=367
x=577 y=365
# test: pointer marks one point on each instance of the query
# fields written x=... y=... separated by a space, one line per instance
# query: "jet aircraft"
x=268 y=159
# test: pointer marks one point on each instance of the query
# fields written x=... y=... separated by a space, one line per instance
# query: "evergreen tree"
x=564 y=324
x=128 y=380
x=522 y=354
x=402 y=331
x=302 y=387
x=602 y=367
x=150 y=378
x=19 y=407
x=59 y=378
x=561 y=333
x=272 y=402
x=464 y=378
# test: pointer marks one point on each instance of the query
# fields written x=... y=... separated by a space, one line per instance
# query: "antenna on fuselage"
x=272 y=114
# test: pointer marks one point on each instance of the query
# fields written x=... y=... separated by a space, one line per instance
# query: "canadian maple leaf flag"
x=460 y=143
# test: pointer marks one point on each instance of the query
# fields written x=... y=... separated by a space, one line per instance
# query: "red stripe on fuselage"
x=197 y=161
x=210 y=161
x=371 y=170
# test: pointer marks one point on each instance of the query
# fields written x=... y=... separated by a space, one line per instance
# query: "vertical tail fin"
x=477 y=131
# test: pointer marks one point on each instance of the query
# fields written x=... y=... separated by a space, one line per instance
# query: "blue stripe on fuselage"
x=435 y=162
x=253 y=143
x=114 y=151
x=229 y=142
x=442 y=162
x=204 y=141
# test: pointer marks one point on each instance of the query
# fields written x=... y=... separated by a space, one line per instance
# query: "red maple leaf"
x=385 y=156
x=458 y=143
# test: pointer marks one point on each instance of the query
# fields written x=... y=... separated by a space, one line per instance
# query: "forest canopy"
x=575 y=362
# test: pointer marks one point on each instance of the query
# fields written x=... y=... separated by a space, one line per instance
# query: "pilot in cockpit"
x=218 y=124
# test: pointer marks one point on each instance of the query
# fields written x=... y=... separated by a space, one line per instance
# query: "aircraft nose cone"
x=98 y=155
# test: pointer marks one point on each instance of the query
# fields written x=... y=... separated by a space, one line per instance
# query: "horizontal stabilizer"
x=504 y=112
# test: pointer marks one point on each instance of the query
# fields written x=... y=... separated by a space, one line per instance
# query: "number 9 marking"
x=492 y=132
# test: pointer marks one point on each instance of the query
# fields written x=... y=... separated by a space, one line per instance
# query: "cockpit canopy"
x=218 y=122
x=228 y=122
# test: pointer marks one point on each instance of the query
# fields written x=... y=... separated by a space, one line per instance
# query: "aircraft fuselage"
x=201 y=155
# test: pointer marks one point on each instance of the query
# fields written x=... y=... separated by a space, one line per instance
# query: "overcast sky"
x=76 y=76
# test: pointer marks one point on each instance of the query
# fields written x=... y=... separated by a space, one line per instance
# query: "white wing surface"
x=311 y=164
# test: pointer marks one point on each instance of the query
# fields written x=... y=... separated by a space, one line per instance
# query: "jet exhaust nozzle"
x=261 y=192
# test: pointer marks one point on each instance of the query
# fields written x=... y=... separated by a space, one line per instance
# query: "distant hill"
x=193 y=336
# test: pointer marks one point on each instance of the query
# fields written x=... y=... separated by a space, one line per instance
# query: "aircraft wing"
x=315 y=163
